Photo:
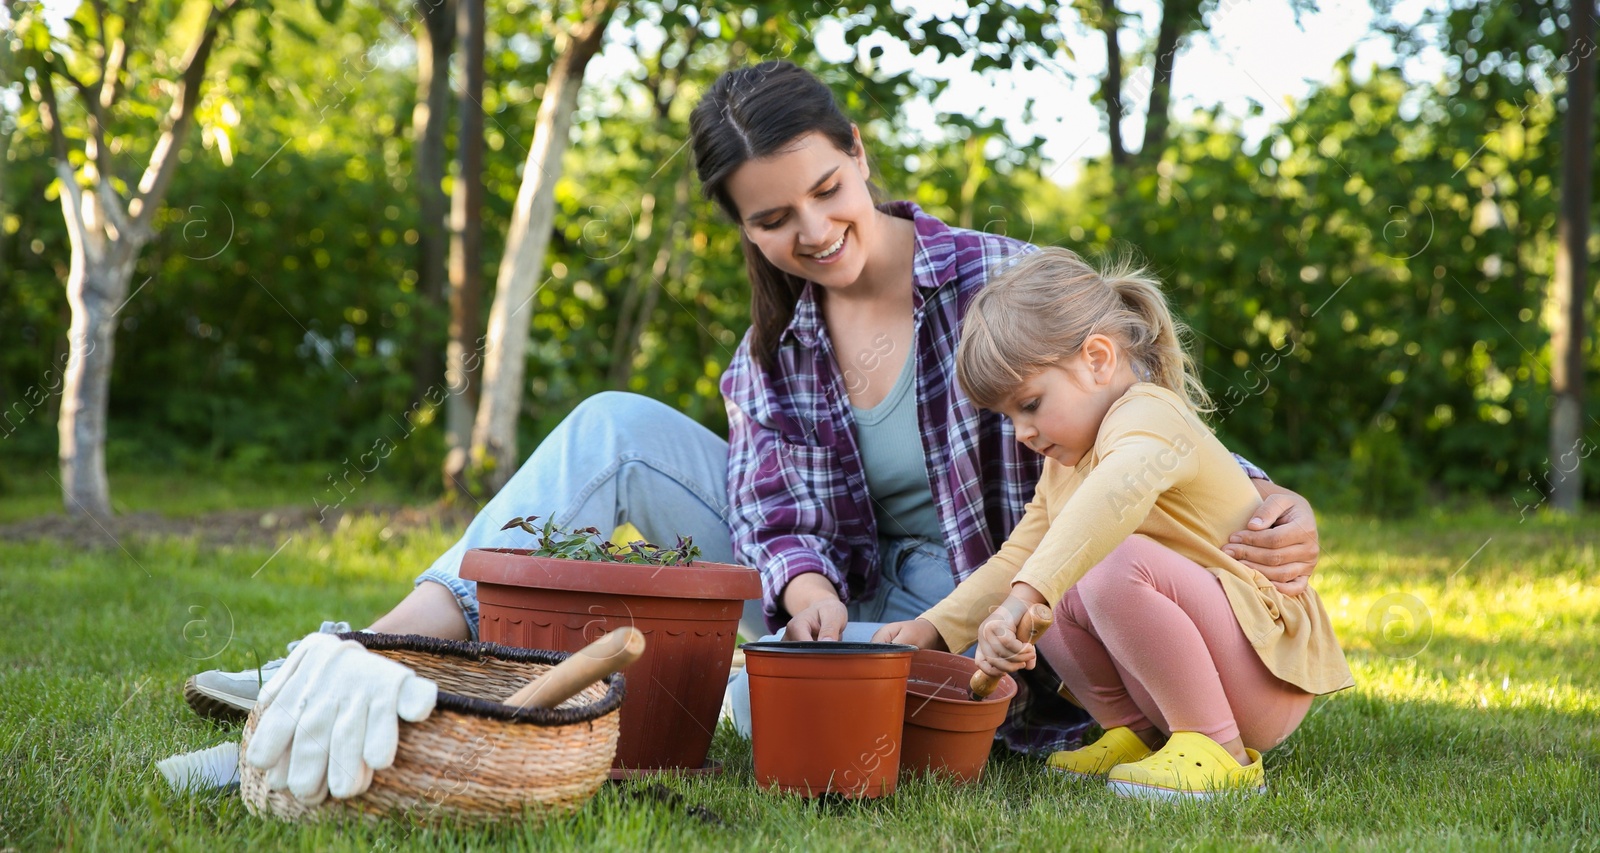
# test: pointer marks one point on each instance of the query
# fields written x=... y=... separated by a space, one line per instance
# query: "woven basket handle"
x=597 y=660
x=982 y=683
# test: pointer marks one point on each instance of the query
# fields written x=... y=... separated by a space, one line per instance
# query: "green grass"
x=177 y=491
x=1481 y=731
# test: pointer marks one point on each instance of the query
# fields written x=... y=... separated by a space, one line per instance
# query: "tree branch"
x=50 y=114
x=111 y=202
x=1175 y=15
x=100 y=22
x=1111 y=91
x=87 y=90
x=50 y=117
x=109 y=88
x=665 y=99
x=654 y=79
x=96 y=149
x=99 y=153
x=163 y=160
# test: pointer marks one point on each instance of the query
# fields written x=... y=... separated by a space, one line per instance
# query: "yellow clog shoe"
x=1117 y=746
x=1190 y=766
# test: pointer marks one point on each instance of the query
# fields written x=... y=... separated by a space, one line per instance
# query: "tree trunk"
x=7 y=129
x=624 y=338
x=106 y=234
x=1174 y=13
x=494 y=433
x=435 y=41
x=463 y=354
x=667 y=266
x=977 y=172
x=633 y=318
x=97 y=286
x=1111 y=91
x=1572 y=264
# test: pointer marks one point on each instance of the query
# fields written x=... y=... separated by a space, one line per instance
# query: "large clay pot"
x=946 y=731
x=689 y=616
x=825 y=717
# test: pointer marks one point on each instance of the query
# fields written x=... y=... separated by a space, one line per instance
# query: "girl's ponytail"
x=1042 y=310
x=1158 y=343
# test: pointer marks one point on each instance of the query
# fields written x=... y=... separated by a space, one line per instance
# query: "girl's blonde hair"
x=1041 y=310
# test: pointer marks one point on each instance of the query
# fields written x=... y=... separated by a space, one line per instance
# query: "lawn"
x=1475 y=638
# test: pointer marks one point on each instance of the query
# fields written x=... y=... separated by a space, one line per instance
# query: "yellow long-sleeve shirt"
x=1157 y=471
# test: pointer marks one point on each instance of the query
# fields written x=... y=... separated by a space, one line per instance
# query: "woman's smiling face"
x=808 y=210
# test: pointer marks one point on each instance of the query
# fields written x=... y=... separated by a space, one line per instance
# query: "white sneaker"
x=229 y=696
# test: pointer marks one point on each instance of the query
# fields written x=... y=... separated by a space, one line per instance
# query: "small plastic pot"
x=945 y=730
x=826 y=717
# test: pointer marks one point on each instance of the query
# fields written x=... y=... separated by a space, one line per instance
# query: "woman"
x=845 y=501
x=855 y=311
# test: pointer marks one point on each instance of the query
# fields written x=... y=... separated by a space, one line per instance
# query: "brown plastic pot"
x=689 y=616
x=825 y=717
x=946 y=731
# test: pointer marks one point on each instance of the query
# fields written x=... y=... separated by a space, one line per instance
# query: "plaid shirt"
x=797 y=489
x=798 y=499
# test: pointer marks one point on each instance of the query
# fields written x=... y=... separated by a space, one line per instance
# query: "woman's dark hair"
x=748 y=114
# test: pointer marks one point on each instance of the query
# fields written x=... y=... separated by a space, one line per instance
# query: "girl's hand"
x=1000 y=651
x=916 y=632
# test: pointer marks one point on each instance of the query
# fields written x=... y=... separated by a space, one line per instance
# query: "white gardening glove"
x=330 y=717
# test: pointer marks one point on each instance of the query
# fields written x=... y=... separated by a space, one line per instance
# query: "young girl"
x=1158 y=633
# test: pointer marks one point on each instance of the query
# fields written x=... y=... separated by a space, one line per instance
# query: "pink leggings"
x=1147 y=638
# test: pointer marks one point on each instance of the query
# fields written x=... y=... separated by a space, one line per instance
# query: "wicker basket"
x=474 y=759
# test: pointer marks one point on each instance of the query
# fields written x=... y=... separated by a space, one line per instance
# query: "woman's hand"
x=818 y=612
x=915 y=632
x=823 y=620
x=1000 y=650
x=1280 y=541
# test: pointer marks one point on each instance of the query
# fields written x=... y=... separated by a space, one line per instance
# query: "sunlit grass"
x=35 y=490
x=1475 y=722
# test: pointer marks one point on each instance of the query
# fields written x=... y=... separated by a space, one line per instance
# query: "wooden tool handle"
x=1040 y=616
x=596 y=661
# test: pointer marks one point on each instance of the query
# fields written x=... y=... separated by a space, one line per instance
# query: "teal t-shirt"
x=896 y=465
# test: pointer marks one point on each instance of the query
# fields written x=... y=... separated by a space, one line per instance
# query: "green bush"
x=1327 y=485
x=1382 y=474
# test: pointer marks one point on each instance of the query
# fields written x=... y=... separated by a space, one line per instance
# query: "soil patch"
x=266 y=527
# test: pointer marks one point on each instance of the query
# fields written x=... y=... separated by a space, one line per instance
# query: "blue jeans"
x=618 y=457
x=624 y=457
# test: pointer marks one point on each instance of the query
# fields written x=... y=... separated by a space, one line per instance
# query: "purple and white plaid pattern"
x=797 y=492
x=795 y=481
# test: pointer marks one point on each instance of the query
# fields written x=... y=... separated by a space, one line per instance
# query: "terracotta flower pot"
x=825 y=717
x=689 y=616
x=946 y=731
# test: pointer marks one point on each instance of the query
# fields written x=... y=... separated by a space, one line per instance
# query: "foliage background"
x=1367 y=284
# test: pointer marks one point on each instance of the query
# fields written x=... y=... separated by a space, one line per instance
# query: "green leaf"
x=330 y=9
x=296 y=29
